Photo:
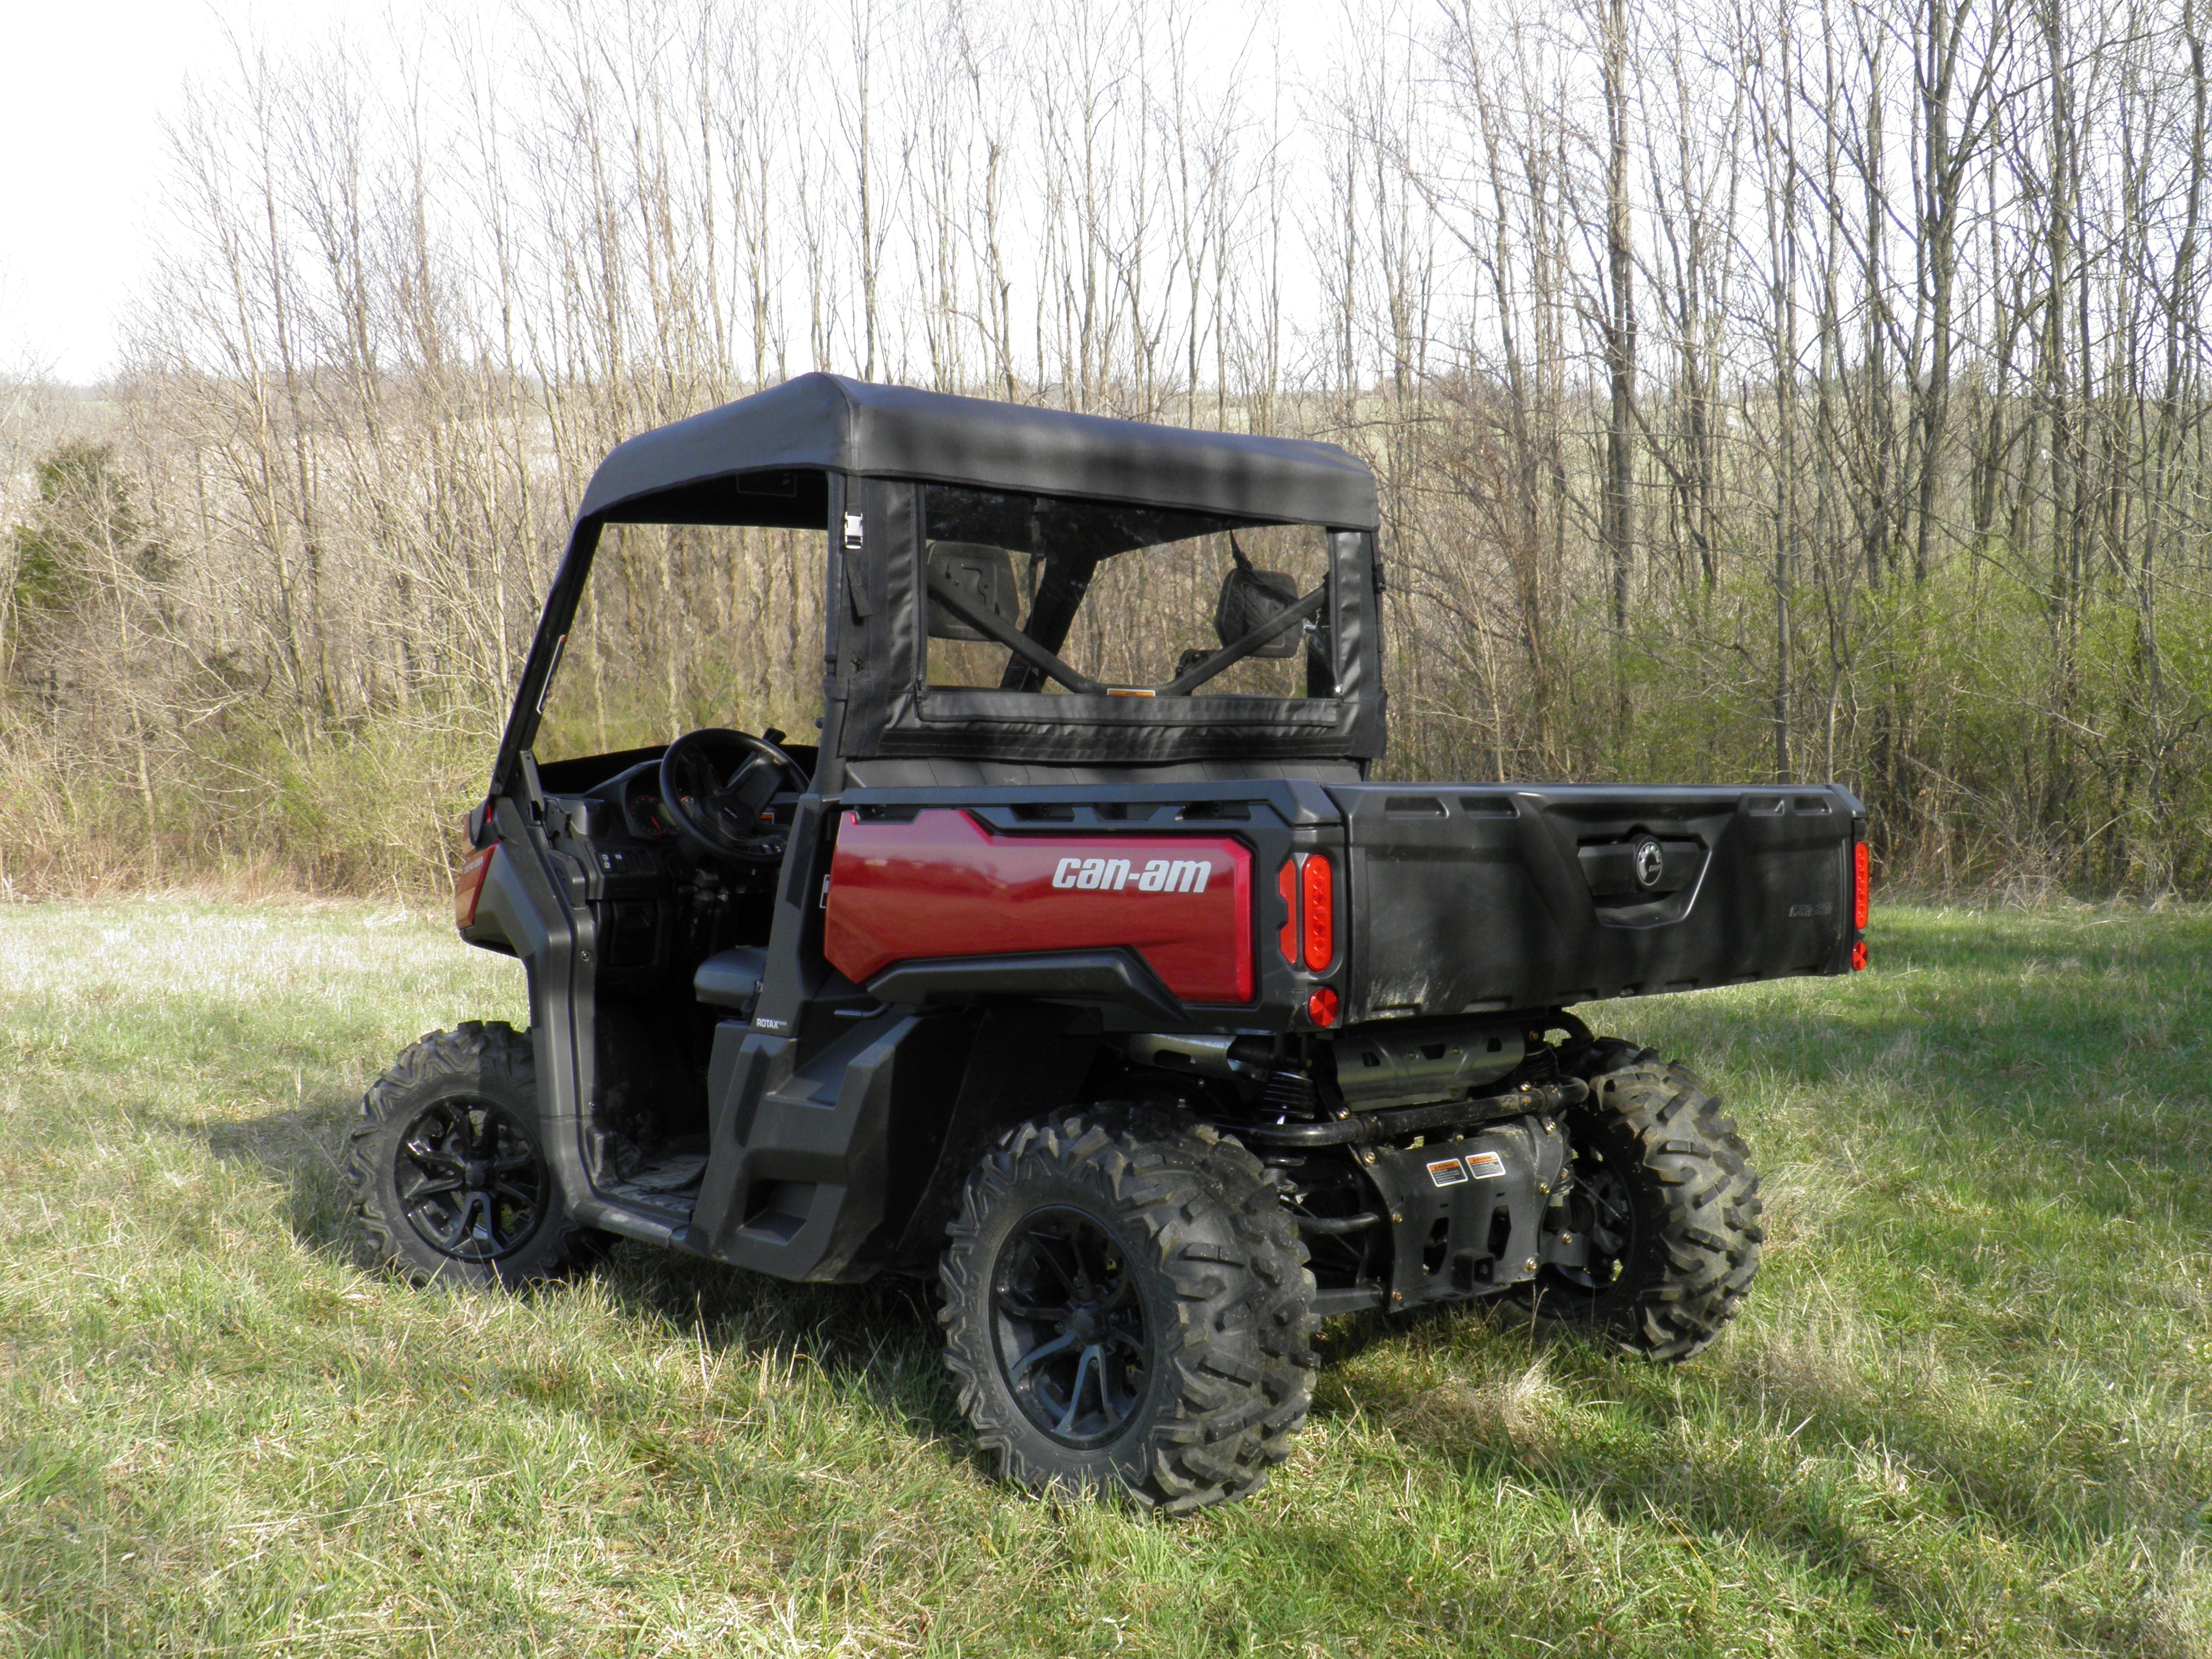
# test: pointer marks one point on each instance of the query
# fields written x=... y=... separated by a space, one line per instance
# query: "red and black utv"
x=1082 y=964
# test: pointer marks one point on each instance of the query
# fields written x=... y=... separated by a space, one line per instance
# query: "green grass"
x=1968 y=1410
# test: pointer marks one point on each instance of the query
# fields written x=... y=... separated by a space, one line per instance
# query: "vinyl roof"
x=828 y=422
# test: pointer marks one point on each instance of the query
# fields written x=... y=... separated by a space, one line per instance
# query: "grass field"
x=1969 y=1409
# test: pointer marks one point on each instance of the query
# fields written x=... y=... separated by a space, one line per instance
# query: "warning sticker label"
x=1450 y=1171
x=1484 y=1166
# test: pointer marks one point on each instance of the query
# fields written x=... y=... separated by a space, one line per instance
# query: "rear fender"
x=851 y=1161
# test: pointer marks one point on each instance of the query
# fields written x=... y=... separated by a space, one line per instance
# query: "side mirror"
x=1251 y=598
x=983 y=575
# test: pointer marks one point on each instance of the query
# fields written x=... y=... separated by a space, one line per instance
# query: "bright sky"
x=88 y=86
x=83 y=157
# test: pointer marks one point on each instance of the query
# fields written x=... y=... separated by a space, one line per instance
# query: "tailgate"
x=1477 y=899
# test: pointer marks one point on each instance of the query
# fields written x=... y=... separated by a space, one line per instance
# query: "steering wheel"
x=715 y=784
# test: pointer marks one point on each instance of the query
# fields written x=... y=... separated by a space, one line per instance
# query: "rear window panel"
x=1144 y=585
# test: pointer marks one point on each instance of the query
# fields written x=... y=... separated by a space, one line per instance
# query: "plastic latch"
x=852 y=532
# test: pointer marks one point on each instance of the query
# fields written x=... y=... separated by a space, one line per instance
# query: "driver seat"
x=732 y=978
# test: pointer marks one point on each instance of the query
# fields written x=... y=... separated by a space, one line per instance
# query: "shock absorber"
x=1289 y=1092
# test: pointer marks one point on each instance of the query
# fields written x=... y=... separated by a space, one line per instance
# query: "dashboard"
x=635 y=794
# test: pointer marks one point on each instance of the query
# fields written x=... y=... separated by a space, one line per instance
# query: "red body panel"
x=468 y=885
x=943 y=885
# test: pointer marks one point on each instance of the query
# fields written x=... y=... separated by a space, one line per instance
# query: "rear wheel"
x=1127 y=1308
x=1667 y=1200
x=448 y=1174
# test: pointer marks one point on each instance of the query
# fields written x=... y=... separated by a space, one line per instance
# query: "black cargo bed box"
x=1481 y=899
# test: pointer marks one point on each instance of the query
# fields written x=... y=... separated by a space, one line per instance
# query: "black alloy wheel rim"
x=1603 y=1211
x=1069 y=1321
x=470 y=1180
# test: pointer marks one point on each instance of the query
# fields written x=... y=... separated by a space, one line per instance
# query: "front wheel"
x=1666 y=1204
x=1127 y=1308
x=449 y=1177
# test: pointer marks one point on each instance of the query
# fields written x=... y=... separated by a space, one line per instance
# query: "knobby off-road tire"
x=1665 y=1192
x=1128 y=1309
x=449 y=1173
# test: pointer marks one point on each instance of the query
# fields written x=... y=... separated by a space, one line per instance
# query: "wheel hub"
x=1072 y=1337
x=1602 y=1211
x=470 y=1180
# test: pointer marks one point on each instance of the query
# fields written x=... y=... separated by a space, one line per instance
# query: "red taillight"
x=1859 y=957
x=1862 y=886
x=1319 y=885
x=1286 y=884
x=468 y=886
x=1321 y=1006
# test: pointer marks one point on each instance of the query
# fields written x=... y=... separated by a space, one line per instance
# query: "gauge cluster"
x=641 y=808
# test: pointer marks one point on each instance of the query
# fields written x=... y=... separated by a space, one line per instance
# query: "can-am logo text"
x=1116 y=875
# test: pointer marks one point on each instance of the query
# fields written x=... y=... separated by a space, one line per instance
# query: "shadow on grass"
x=301 y=1151
x=880 y=1339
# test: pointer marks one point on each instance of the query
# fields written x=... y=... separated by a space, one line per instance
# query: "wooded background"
x=1759 y=391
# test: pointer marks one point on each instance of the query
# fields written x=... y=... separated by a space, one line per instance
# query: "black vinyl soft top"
x=822 y=447
x=828 y=422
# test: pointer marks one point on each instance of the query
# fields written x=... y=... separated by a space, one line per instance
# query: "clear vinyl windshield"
x=1046 y=594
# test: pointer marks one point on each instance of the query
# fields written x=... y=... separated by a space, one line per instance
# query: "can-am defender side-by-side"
x=1081 y=964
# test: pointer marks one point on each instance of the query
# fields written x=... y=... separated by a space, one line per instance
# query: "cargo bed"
x=1480 y=899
